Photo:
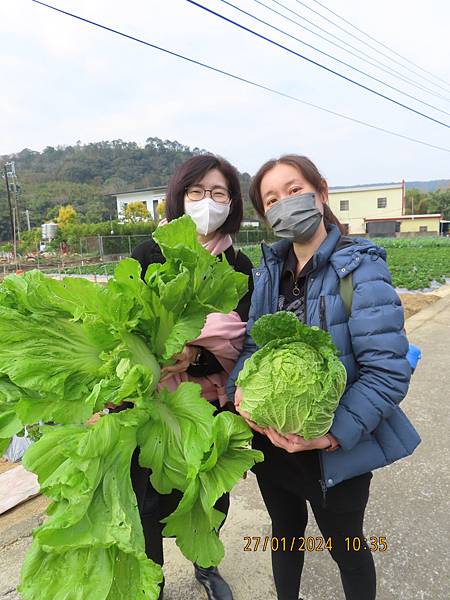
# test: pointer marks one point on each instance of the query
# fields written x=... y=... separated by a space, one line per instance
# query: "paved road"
x=409 y=506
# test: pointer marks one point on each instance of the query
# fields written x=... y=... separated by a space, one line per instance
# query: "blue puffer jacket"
x=371 y=428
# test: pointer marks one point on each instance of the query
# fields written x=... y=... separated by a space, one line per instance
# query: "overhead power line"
x=333 y=57
x=314 y=62
x=241 y=79
x=372 y=38
x=378 y=65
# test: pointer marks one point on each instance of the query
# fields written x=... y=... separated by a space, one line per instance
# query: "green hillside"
x=86 y=176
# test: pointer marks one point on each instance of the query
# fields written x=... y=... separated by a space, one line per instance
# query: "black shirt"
x=149 y=252
x=292 y=288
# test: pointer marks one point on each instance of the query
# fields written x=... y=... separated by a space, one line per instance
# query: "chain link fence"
x=107 y=247
x=98 y=250
x=249 y=237
x=113 y=247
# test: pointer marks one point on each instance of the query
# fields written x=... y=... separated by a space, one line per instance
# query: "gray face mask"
x=295 y=218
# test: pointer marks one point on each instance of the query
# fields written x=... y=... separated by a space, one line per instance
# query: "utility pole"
x=11 y=168
x=11 y=214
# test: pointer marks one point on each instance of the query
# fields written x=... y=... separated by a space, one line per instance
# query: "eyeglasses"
x=217 y=193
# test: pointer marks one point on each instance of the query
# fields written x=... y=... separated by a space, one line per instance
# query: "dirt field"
x=412 y=303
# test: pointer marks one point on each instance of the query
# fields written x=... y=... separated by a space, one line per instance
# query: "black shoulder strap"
x=346 y=283
x=231 y=255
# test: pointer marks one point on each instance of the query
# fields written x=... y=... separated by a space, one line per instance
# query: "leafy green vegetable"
x=176 y=437
x=195 y=522
x=295 y=381
x=9 y=397
x=93 y=541
x=10 y=423
x=69 y=347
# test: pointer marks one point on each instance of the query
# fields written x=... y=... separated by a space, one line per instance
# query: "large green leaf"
x=191 y=284
x=176 y=437
x=4 y=443
x=10 y=423
x=92 y=545
x=282 y=325
x=34 y=293
x=58 y=358
x=88 y=573
x=196 y=522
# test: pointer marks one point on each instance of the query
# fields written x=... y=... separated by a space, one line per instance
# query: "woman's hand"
x=296 y=443
x=238 y=397
x=184 y=358
x=237 y=404
x=98 y=415
x=94 y=419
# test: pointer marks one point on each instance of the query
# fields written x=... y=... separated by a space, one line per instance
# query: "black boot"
x=216 y=587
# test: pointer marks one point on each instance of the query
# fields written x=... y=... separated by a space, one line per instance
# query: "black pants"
x=154 y=506
x=286 y=482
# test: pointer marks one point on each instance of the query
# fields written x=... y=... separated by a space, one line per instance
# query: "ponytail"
x=329 y=218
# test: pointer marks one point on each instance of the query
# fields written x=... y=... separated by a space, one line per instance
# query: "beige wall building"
x=353 y=206
x=414 y=224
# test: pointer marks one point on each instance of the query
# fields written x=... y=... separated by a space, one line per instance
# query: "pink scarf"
x=218 y=244
x=223 y=335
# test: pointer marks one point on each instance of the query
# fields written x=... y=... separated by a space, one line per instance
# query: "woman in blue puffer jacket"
x=303 y=273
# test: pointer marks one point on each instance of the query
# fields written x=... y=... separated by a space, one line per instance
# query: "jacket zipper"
x=305 y=296
x=270 y=277
x=323 y=314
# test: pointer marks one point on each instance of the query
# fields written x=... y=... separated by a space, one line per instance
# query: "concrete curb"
x=428 y=314
x=443 y=291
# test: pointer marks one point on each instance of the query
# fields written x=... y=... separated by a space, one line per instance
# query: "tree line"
x=422 y=203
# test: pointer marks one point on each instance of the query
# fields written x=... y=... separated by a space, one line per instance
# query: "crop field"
x=415 y=263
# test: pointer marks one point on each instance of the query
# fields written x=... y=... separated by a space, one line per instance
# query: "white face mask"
x=207 y=215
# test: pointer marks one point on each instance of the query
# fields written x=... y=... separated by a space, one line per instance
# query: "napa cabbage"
x=294 y=382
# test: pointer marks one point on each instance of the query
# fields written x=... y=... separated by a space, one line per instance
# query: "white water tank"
x=49 y=230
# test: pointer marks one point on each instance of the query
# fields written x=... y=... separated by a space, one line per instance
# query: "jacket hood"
x=349 y=256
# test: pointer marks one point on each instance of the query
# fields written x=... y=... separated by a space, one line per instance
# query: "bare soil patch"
x=413 y=303
x=5 y=465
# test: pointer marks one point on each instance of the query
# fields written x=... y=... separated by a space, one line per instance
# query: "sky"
x=65 y=81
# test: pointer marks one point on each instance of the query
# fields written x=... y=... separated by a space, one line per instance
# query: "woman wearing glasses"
x=207 y=189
